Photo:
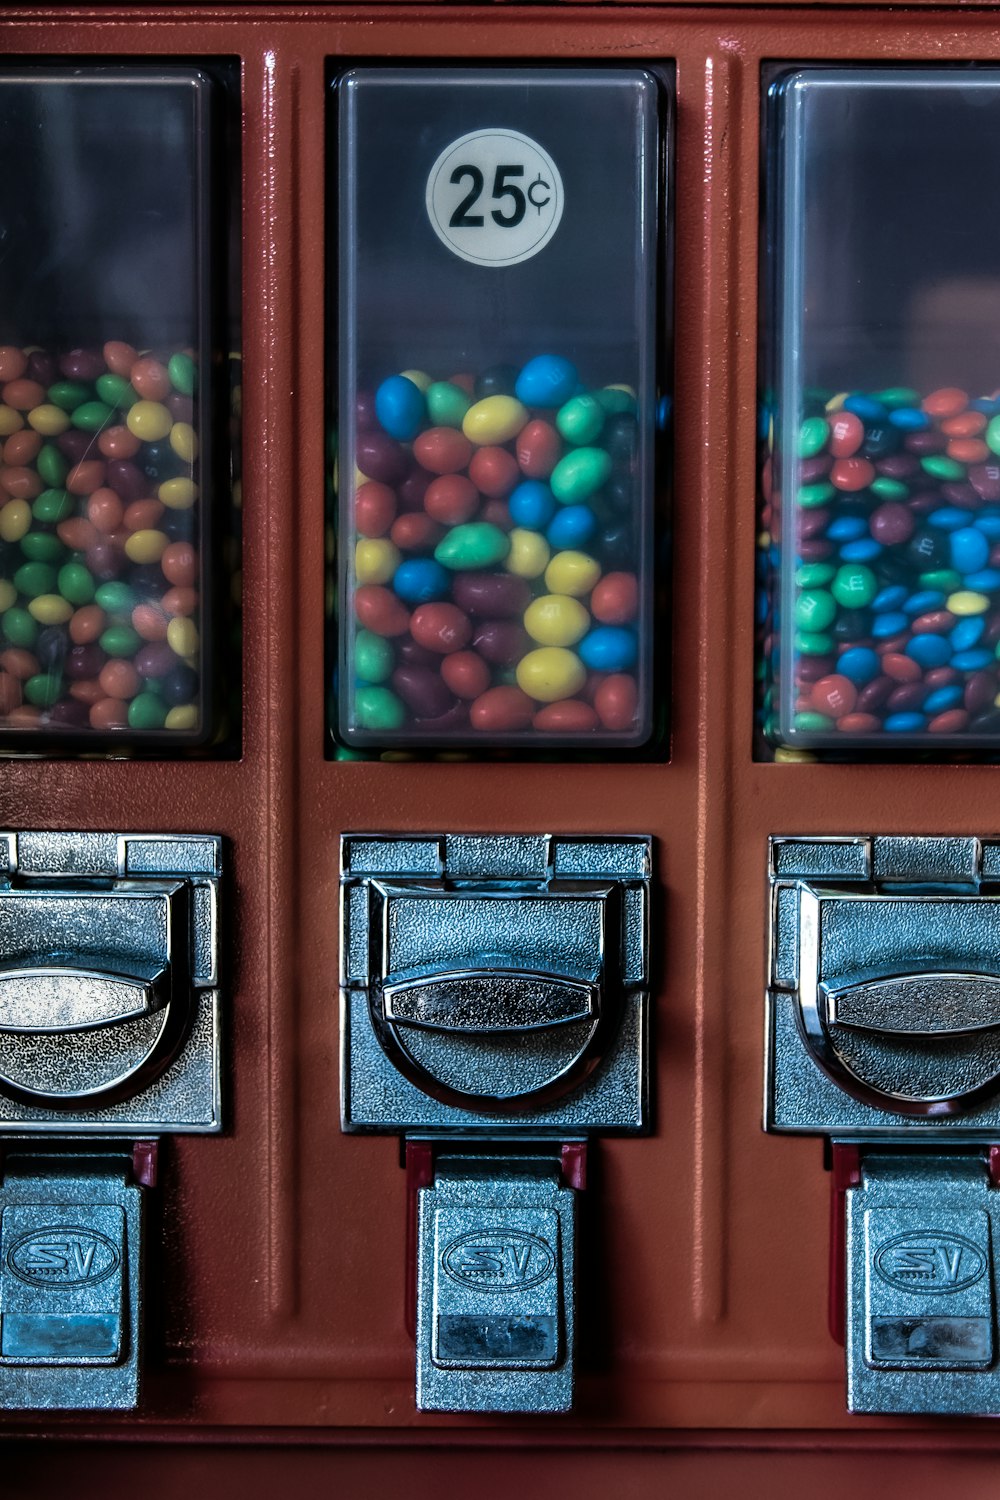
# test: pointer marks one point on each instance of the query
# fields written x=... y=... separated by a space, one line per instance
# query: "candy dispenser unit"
x=497 y=403
x=884 y=482
x=109 y=284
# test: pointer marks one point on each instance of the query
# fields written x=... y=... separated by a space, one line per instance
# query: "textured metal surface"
x=469 y=997
x=70 y=1286
x=105 y=1011
x=921 y=1286
x=496 y=1289
x=895 y=989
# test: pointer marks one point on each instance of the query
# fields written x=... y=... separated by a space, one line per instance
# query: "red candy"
x=500 y=710
x=615 y=599
x=617 y=701
x=440 y=627
x=442 y=450
x=379 y=610
x=494 y=472
x=451 y=499
x=539 y=449
x=374 y=508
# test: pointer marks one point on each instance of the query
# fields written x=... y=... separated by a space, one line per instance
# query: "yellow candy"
x=149 y=420
x=550 y=674
x=556 y=620
x=182 y=635
x=8 y=594
x=572 y=573
x=10 y=421
x=419 y=378
x=15 y=520
x=183 y=440
x=836 y=403
x=184 y=716
x=146 y=546
x=178 y=494
x=50 y=609
x=529 y=553
x=375 y=560
x=495 y=419
x=50 y=421
x=793 y=757
x=967 y=602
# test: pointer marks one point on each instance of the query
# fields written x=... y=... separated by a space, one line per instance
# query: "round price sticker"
x=494 y=197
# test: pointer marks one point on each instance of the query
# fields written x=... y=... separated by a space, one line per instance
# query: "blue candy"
x=401 y=408
x=988 y=522
x=546 y=380
x=970 y=551
x=987 y=405
x=572 y=527
x=948 y=518
x=942 y=699
x=609 y=648
x=893 y=597
x=973 y=661
x=865 y=408
x=909 y=419
x=532 y=504
x=923 y=603
x=967 y=633
x=891 y=624
x=863 y=551
x=847 y=528
x=860 y=664
x=420 y=579
x=903 y=723
x=929 y=651
x=986 y=582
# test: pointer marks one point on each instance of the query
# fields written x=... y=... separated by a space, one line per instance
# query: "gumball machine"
x=499 y=583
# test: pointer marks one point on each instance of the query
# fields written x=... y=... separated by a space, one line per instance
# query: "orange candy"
x=180 y=564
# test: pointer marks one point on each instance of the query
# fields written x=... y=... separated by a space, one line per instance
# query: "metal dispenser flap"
x=61 y=998
x=490 y=1000
x=917 y=1004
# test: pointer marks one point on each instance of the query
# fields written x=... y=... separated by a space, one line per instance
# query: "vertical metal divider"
x=270 y=333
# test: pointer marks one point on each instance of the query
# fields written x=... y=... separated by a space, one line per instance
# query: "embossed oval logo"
x=63 y=1255
x=498 y=1260
x=928 y=1260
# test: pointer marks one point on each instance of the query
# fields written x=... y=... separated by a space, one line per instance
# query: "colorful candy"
x=494 y=521
x=891 y=535
x=98 y=519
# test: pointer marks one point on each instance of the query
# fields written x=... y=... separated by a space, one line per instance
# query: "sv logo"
x=498 y=1260
x=63 y=1256
x=930 y=1261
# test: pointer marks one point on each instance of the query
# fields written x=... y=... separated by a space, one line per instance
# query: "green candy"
x=942 y=467
x=855 y=586
x=374 y=657
x=446 y=404
x=889 y=489
x=580 y=474
x=76 y=583
x=115 y=598
x=34 y=578
x=378 y=708
x=91 y=416
x=897 y=395
x=616 y=402
x=812 y=436
x=813 y=643
x=580 y=420
x=811 y=495
x=146 y=711
x=992 y=435
x=115 y=390
x=52 y=467
x=53 y=506
x=20 y=628
x=44 y=690
x=814 y=575
x=67 y=394
x=42 y=546
x=812 y=721
x=120 y=640
x=183 y=373
x=477 y=544
x=815 y=609
x=944 y=581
